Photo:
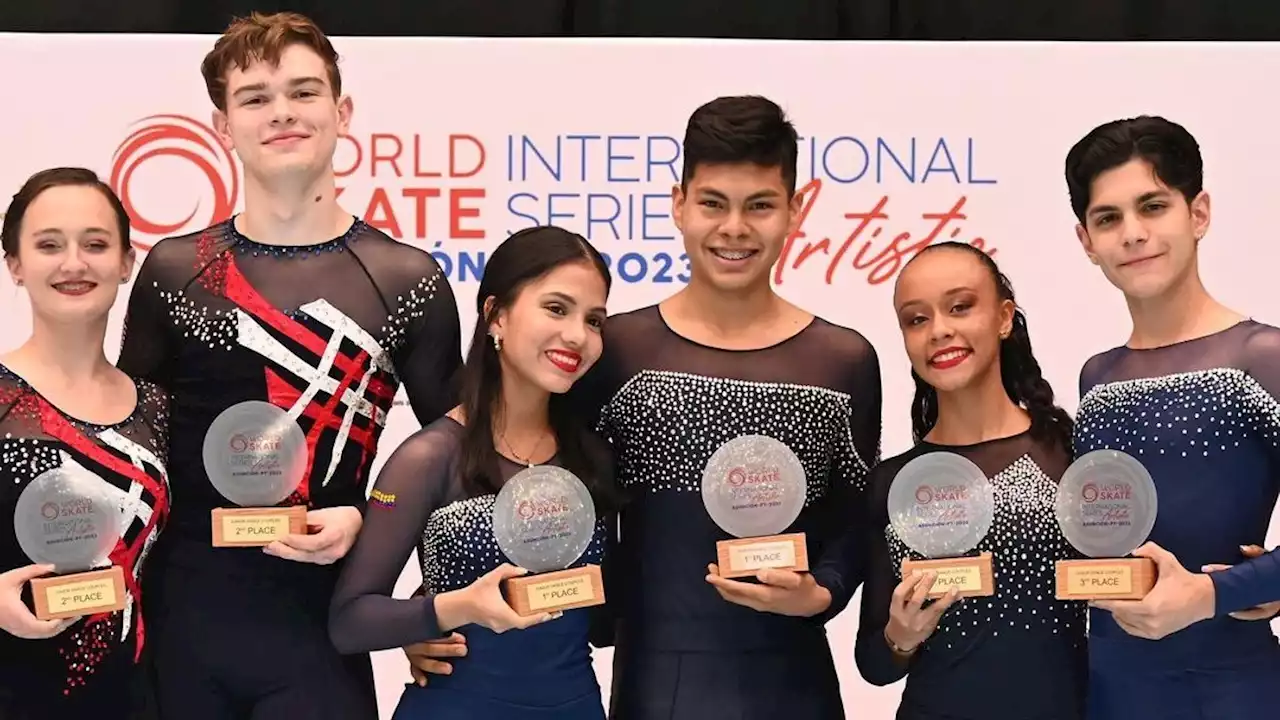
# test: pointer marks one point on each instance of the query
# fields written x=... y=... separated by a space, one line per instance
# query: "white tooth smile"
x=953 y=355
x=733 y=254
x=563 y=359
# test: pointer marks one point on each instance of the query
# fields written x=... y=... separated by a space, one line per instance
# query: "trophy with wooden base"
x=255 y=456
x=1106 y=506
x=68 y=517
x=754 y=487
x=544 y=519
x=941 y=505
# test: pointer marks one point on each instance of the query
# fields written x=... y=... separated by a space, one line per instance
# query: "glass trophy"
x=941 y=506
x=69 y=519
x=255 y=455
x=543 y=520
x=1106 y=507
x=754 y=487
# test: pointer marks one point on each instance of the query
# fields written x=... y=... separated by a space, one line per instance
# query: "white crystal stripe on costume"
x=1249 y=387
x=253 y=337
x=340 y=324
x=341 y=327
x=669 y=375
x=345 y=428
x=132 y=507
x=139 y=455
x=136 y=452
x=323 y=369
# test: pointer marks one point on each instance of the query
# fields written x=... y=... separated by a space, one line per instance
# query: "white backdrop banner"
x=456 y=143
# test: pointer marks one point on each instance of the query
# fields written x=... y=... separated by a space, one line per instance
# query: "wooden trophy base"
x=256 y=527
x=972 y=576
x=745 y=557
x=1112 y=579
x=555 y=591
x=87 y=593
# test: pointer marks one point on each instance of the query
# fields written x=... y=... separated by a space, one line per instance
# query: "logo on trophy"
x=543 y=520
x=941 y=505
x=66 y=517
x=754 y=487
x=255 y=456
x=1106 y=507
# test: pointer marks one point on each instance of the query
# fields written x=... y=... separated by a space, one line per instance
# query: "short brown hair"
x=52 y=178
x=264 y=38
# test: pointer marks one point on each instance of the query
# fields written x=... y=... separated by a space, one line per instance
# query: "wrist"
x=453 y=610
x=902 y=649
x=819 y=600
x=1206 y=596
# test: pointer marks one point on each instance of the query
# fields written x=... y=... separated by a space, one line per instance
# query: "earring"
x=497 y=343
x=18 y=282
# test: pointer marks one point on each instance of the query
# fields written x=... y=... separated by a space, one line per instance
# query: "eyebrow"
x=761 y=195
x=295 y=82
x=569 y=299
x=949 y=293
x=58 y=231
x=1144 y=197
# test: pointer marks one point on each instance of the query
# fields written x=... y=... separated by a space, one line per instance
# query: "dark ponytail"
x=1019 y=371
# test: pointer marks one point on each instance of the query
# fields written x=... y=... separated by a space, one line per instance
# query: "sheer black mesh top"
x=1020 y=653
x=95 y=657
x=327 y=333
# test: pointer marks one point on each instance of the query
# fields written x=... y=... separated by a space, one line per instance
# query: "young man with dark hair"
x=1192 y=395
x=723 y=358
x=293 y=323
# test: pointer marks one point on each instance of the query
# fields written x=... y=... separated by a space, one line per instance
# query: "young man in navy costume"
x=1192 y=395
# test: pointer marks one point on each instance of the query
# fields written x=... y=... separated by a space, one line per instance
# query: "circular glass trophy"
x=255 y=456
x=941 y=505
x=1106 y=506
x=70 y=518
x=544 y=519
x=754 y=488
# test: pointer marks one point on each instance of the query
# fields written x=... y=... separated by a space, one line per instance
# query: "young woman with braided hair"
x=1019 y=653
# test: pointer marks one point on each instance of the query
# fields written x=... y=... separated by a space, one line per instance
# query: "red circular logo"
x=239 y=443
x=176 y=136
x=49 y=511
x=1089 y=493
x=524 y=510
x=924 y=495
x=737 y=477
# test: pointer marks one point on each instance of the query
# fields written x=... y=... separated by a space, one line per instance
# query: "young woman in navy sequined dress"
x=541 y=307
x=63 y=406
x=1019 y=654
x=1193 y=396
